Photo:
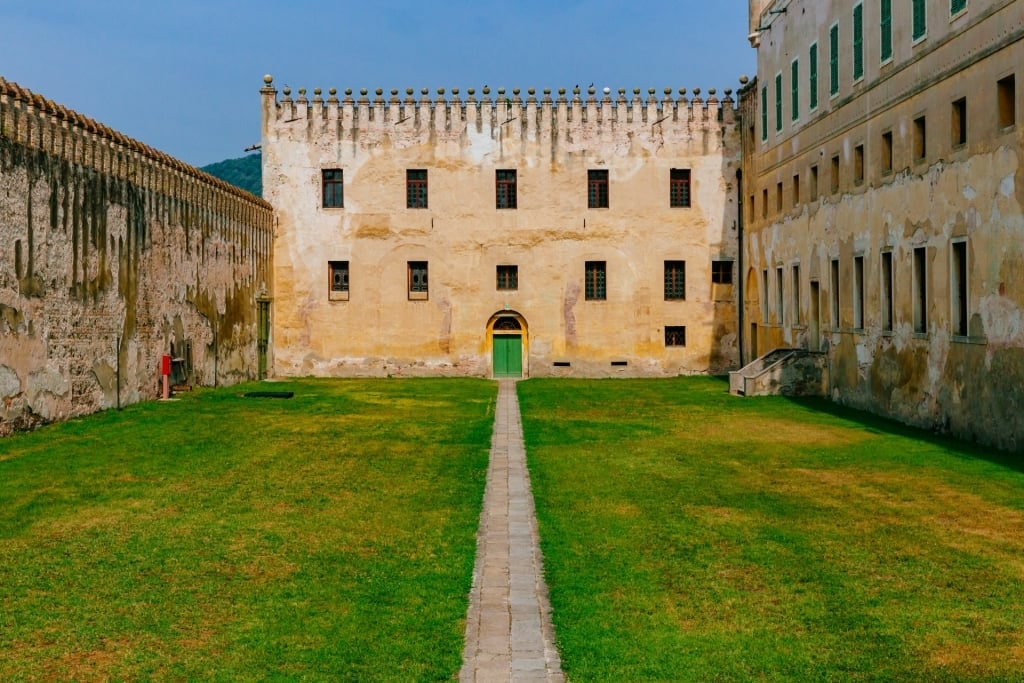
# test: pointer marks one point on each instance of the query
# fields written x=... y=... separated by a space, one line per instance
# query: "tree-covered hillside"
x=244 y=172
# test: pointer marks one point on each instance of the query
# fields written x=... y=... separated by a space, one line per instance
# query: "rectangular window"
x=858 y=42
x=594 y=286
x=333 y=188
x=957 y=6
x=337 y=284
x=858 y=165
x=778 y=102
x=764 y=113
x=812 y=86
x=764 y=295
x=958 y=120
x=780 y=310
x=675 y=335
x=675 y=280
x=794 y=90
x=920 y=290
x=1006 y=104
x=753 y=213
x=835 y=174
x=858 y=292
x=885 y=42
x=416 y=189
x=764 y=203
x=833 y=60
x=886 y=152
x=597 y=189
x=679 y=188
x=778 y=197
x=721 y=272
x=508 y=277
x=887 y=291
x=920 y=138
x=834 y=284
x=505 y=189
x=814 y=183
x=920 y=22
x=796 y=294
x=796 y=190
x=417 y=279
x=958 y=288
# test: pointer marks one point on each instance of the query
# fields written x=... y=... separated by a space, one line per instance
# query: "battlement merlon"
x=504 y=113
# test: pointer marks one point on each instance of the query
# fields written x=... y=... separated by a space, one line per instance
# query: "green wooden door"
x=508 y=355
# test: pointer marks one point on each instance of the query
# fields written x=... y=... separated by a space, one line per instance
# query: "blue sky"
x=183 y=76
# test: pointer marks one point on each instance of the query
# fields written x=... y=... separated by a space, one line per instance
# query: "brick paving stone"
x=509 y=636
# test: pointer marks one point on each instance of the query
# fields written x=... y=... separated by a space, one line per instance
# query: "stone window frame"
x=506 y=188
x=675 y=335
x=675 y=280
x=507 y=277
x=338 y=280
x=417 y=277
x=332 y=188
x=595 y=281
x=680 y=189
x=416 y=188
x=597 y=188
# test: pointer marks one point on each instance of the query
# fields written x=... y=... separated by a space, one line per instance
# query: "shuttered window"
x=858 y=42
x=833 y=59
x=920 y=22
x=812 y=95
x=885 y=41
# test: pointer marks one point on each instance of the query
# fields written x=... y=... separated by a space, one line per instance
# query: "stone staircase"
x=785 y=372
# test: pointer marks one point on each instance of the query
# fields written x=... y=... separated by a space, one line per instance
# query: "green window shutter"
x=778 y=101
x=920 y=24
x=833 y=60
x=858 y=42
x=813 y=85
x=886 y=38
x=764 y=112
x=794 y=85
x=957 y=6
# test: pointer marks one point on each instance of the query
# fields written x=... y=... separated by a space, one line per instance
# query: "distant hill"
x=244 y=172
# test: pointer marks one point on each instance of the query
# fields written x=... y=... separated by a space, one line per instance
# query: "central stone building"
x=502 y=233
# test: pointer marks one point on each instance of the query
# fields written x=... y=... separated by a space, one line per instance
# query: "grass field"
x=692 y=536
x=326 y=537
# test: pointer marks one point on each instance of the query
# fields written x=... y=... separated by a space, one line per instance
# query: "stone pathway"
x=509 y=636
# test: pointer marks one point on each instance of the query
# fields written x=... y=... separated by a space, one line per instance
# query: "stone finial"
x=711 y=91
x=333 y=92
x=744 y=80
x=409 y=92
x=455 y=91
x=268 y=80
x=440 y=91
x=486 y=90
x=424 y=91
x=363 y=91
x=696 y=92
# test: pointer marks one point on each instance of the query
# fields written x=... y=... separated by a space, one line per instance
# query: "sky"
x=184 y=76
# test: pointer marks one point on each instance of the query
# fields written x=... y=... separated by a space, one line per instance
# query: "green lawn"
x=692 y=536
x=326 y=537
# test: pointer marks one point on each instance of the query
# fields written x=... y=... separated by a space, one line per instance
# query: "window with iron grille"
x=418 y=277
x=679 y=188
x=333 y=188
x=675 y=280
x=508 y=277
x=505 y=189
x=721 y=272
x=597 y=189
x=675 y=335
x=594 y=284
x=416 y=189
x=339 y=275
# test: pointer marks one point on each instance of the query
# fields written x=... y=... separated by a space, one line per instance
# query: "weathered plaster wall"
x=111 y=255
x=551 y=141
x=965 y=382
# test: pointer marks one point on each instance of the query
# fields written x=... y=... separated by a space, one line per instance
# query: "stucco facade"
x=113 y=255
x=398 y=250
x=883 y=205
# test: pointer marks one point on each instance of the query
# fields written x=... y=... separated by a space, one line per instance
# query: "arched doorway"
x=507 y=333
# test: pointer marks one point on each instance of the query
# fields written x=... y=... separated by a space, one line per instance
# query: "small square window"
x=332 y=188
x=508 y=277
x=416 y=189
x=597 y=189
x=418 y=280
x=505 y=189
x=675 y=280
x=679 y=188
x=721 y=272
x=675 y=335
x=594 y=285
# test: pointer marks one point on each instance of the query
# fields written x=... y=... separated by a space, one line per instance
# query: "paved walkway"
x=508 y=629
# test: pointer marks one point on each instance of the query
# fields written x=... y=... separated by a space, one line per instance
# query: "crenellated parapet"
x=31 y=120
x=561 y=118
